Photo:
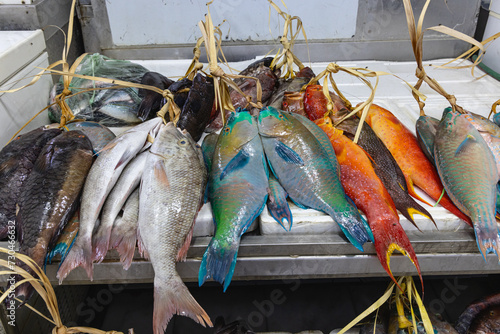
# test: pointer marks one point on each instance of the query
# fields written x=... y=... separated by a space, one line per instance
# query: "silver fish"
x=124 y=233
x=128 y=181
x=102 y=177
x=170 y=197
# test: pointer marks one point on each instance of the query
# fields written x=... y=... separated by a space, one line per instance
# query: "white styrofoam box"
x=18 y=107
x=17 y=50
x=16 y=2
x=495 y=6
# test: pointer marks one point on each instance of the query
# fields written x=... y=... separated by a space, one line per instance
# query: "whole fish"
x=315 y=102
x=180 y=89
x=293 y=102
x=286 y=85
x=98 y=134
x=102 y=177
x=124 y=233
x=362 y=184
x=127 y=182
x=268 y=81
x=417 y=169
x=196 y=112
x=385 y=166
x=485 y=311
x=152 y=101
x=426 y=128
x=170 y=197
x=16 y=162
x=468 y=171
x=237 y=190
x=277 y=204
x=49 y=196
x=307 y=172
x=65 y=240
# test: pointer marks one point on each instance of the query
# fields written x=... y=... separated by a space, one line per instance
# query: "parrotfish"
x=50 y=194
x=237 y=190
x=468 y=171
x=307 y=172
x=362 y=184
x=16 y=162
x=426 y=128
x=277 y=204
x=65 y=240
x=170 y=196
x=417 y=169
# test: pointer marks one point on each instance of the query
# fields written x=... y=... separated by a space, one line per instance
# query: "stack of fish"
x=158 y=215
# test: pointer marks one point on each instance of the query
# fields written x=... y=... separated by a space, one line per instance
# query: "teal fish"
x=468 y=171
x=66 y=240
x=237 y=190
x=307 y=172
x=277 y=204
x=426 y=127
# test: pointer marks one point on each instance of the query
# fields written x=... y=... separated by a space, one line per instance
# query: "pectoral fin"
x=237 y=162
x=467 y=141
x=287 y=154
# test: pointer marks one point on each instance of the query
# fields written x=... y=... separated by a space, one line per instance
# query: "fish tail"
x=389 y=238
x=281 y=213
x=354 y=227
x=413 y=193
x=409 y=208
x=487 y=238
x=100 y=244
x=173 y=297
x=218 y=262
x=448 y=205
x=126 y=249
x=80 y=255
x=61 y=249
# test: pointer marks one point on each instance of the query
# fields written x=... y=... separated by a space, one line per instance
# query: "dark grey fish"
x=151 y=100
x=180 y=89
x=16 y=163
x=49 y=196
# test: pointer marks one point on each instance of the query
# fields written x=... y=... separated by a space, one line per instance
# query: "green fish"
x=468 y=171
x=237 y=190
x=277 y=204
x=308 y=173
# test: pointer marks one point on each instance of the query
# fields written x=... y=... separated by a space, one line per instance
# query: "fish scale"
x=468 y=171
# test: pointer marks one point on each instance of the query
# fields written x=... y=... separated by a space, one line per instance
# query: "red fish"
x=416 y=167
x=364 y=187
x=315 y=102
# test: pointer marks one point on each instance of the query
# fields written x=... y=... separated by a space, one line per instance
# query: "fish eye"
x=281 y=116
x=226 y=129
x=182 y=142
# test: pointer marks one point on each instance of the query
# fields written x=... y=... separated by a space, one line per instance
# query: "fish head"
x=240 y=128
x=453 y=122
x=274 y=123
x=174 y=143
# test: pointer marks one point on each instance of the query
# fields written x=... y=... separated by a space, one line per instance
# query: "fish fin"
x=126 y=157
x=412 y=192
x=487 y=238
x=173 y=297
x=287 y=154
x=271 y=168
x=60 y=249
x=280 y=211
x=218 y=262
x=239 y=161
x=160 y=173
x=109 y=146
x=140 y=245
x=363 y=220
x=181 y=256
x=389 y=238
x=126 y=249
x=79 y=256
x=412 y=209
x=300 y=205
x=100 y=242
x=467 y=141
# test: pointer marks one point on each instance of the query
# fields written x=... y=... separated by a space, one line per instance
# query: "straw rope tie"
x=333 y=68
x=216 y=71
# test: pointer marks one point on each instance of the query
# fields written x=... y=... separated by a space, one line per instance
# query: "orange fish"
x=315 y=102
x=416 y=167
x=364 y=187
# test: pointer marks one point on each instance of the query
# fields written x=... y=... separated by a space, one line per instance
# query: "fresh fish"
x=65 y=240
x=170 y=197
x=180 y=89
x=426 y=128
x=362 y=184
x=124 y=233
x=307 y=173
x=268 y=81
x=102 y=177
x=114 y=107
x=468 y=171
x=277 y=204
x=128 y=181
x=417 y=169
x=293 y=102
x=152 y=101
x=385 y=166
x=98 y=134
x=197 y=110
x=496 y=119
x=237 y=190
x=208 y=148
x=286 y=85
x=16 y=163
x=315 y=102
x=485 y=312
x=49 y=196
